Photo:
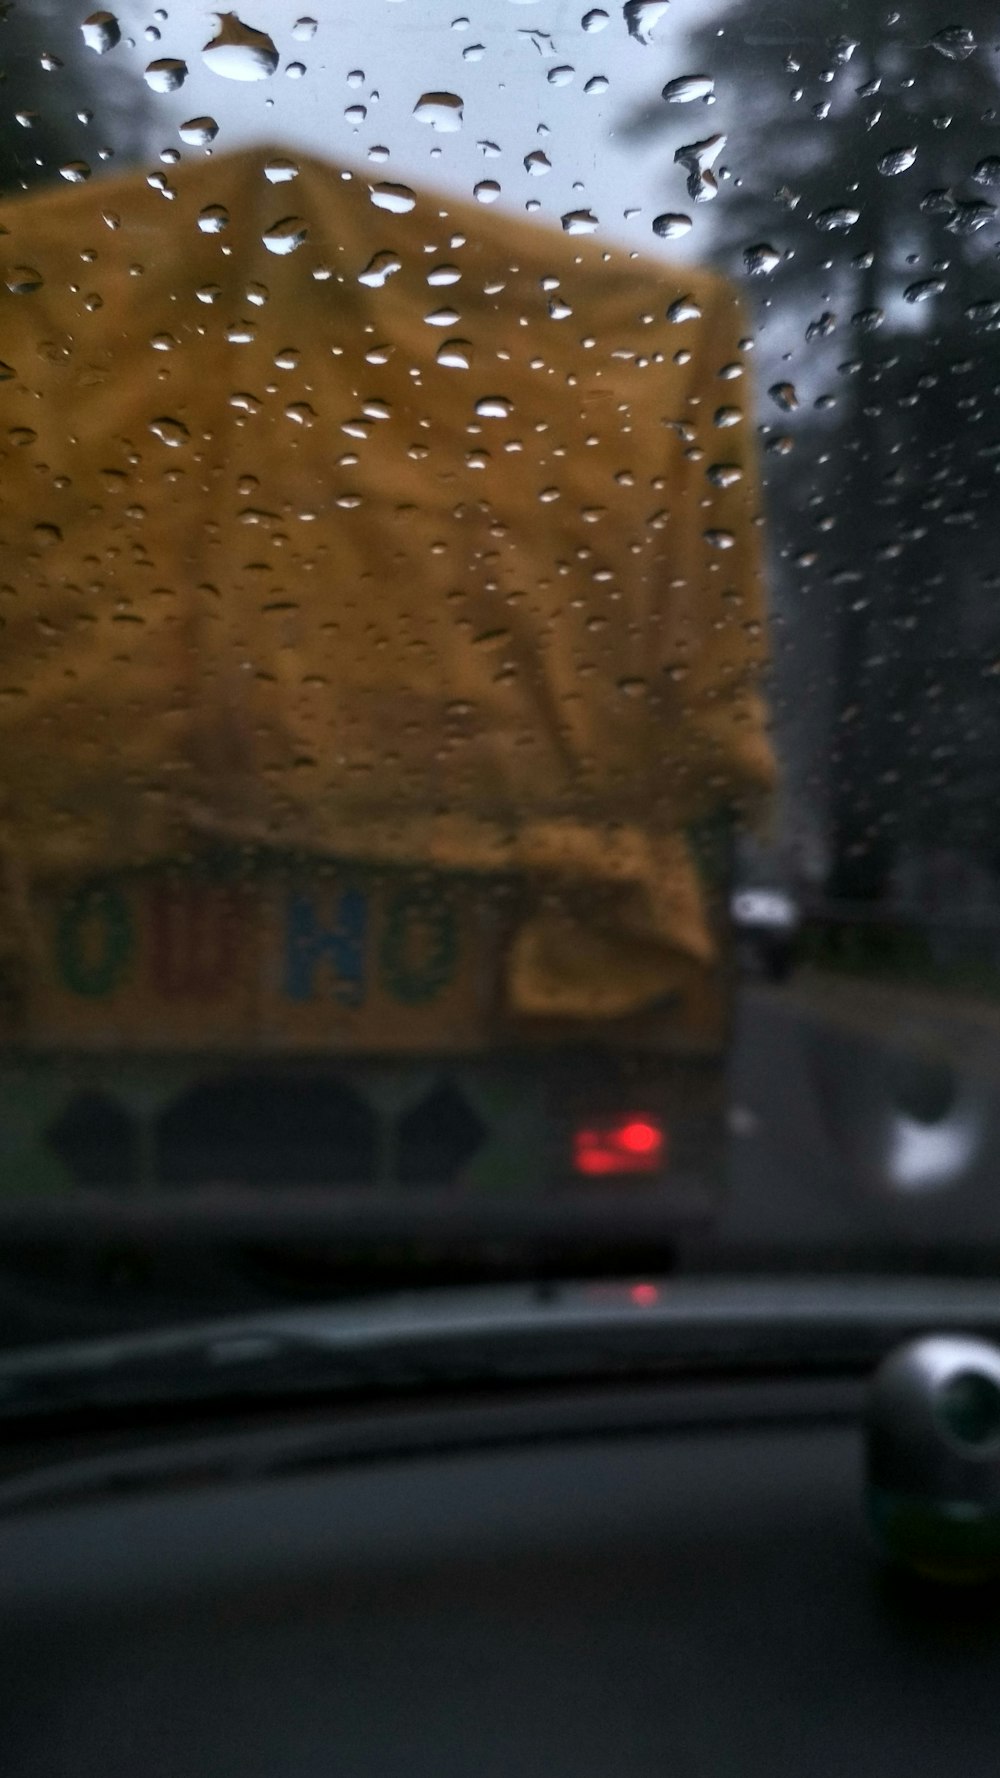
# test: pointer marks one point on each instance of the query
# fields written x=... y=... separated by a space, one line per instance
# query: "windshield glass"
x=498 y=713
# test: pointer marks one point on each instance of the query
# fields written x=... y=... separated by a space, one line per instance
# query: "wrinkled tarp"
x=275 y=574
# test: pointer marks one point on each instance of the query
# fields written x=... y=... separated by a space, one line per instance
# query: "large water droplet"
x=987 y=171
x=101 y=31
x=688 y=87
x=239 y=51
x=75 y=172
x=444 y=274
x=760 y=259
x=642 y=17
x=598 y=83
x=537 y=163
x=955 y=41
x=897 y=160
x=172 y=432
x=560 y=76
x=166 y=74
x=198 y=132
x=442 y=318
x=671 y=225
x=455 y=354
x=724 y=475
x=839 y=217
x=380 y=267
x=280 y=169
x=443 y=111
x=969 y=216
x=579 y=222
x=684 y=309
x=494 y=407
x=304 y=29
x=213 y=219
x=699 y=159
x=924 y=289
x=285 y=235
x=783 y=395
x=596 y=19
x=397 y=198
x=21 y=280
x=486 y=191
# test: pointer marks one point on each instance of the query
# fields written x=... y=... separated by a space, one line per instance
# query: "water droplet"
x=560 y=76
x=295 y=71
x=213 y=219
x=839 y=217
x=559 y=310
x=684 y=309
x=455 y=355
x=356 y=77
x=727 y=416
x=642 y=17
x=719 y=539
x=784 y=396
x=163 y=342
x=595 y=20
x=242 y=333
x=442 y=318
x=598 y=83
x=987 y=171
x=281 y=169
x=969 y=216
x=822 y=327
x=494 y=407
x=198 y=132
x=633 y=686
x=238 y=51
x=47 y=535
x=724 y=475
x=301 y=413
x=355 y=114
x=304 y=29
x=699 y=158
x=244 y=402
x=75 y=172
x=868 y=320
x=396 y=198
x=380 y=267
x=760 y=259
x=6 y=372
x=688 y=87
x=547 y=495
x=955 y=41
x=22 y=435
x=172 y=432
x=924 y=289
x=671 y=225
x=443 y=111
x=897 y=160
x=444 y=274
x=486 y=192
x=579 y=222
x=101 y=32
x=166 y=74
x=473 y=52
x=537 y=163
x=287 y=358
x=21 y=280
x=285 y=235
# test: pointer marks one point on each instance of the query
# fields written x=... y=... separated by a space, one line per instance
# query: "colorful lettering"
x=94 y=940
x=419 y=949
x=194 y=932
x=341 y=945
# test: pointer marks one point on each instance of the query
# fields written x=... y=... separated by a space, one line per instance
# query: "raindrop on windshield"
x=560 y=76
x=494 y=407
x=760 y=259
x=101 y=31
x=444 y=274
x=969 y=216
x=75 y=172
x=924 y=289
x=198 y=132
x=21 y=280
x=598 y=83
x=897 y=161
x=595 y=20
x=486 y=192
x=783 y=395
x=684 y=309
x=642 y=17
x=671 y=225
x=213 y=219
x=537 y=163
x=955 y=41
x=285 y=235
x=724 y=475
x=688 y=87
x=455 y=355
x=166 y=74
x=397 y=198
x=987 y=171
x=579 y=222
x=443 y=111
x=239 y=51
x=380 y=267
x=839 y=217
x=303 y=29
x=699 y=158
x=172 y=432
x=442 y=318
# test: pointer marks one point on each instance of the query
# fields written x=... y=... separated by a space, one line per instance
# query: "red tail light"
x=633 y=1144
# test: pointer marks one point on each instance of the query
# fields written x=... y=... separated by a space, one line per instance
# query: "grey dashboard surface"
x=701 y=1602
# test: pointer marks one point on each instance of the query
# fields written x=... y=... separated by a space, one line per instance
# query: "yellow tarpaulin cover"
x=429 y=539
